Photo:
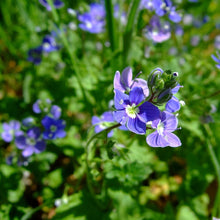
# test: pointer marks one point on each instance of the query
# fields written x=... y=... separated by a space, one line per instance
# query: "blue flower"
x=49 y=44
x=94 y=20
x=163 y=135
x=54 y=128
x=124 y=83
x=102 y=122
x=131 y=112
x=55 y=111
x=56 y=3
x=11 y=130
x=216 y=59
x=35 y=55
x=163 y=7
x=41 y=106
x=31 y=142
x=158 y=31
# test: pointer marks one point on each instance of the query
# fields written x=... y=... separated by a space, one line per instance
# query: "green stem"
x=110 y=23
x=216 y=210
x=88 y=151
x=129 y=29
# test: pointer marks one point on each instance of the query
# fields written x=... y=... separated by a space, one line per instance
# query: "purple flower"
x=124 y=82
x=35 y=55
x=163 y=135
x=31 y=142
x=28 y=122
x=11 y=130
x=56 y=3
x=173 y=104
x=54 y=128
x=100 y=123
x=158 y=31
x=130 y=110
x=217 y=59
x=147 y=4
x=94 y=20
x=49 y=44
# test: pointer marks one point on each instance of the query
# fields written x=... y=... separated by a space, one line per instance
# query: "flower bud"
x=164 y=96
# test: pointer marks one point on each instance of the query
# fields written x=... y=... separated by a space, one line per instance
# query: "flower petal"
x=170 y=121
x=28 y=151
x=55 y=111
x=173 y=105
x=95 y=120
x=136 y=95
x=117 y=82
x=148 y=112
x=142 y=84
x=121 y=117
x=156 y=140
x=7 y=136
x=40 y=146
x=126 y=77
x=136 y=126
x=172 y=140
x=20 y=142
x=120 y=100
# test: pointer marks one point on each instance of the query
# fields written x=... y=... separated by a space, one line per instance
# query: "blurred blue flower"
x=35 y=55
x=130 y=111
x=55 y=111
x=41 y=106
x=216 y=59
x=163 y=135
x=54 y=128
x=31 y=142
x=28 y=122
x=158 y=31
x=11 y=130
x=163 y=7
x=124 y=82
x=49 y=44
x=56 y=3
x=94 y=20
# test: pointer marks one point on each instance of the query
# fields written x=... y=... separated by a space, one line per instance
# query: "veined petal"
x=121 y=117
x=148 y=112
x=173 y=105
x=136 y=95
x=120 y=100
x=142 y=84
x=156 y=140
x=117 y=82
x=126 y=77
x=170 y=121
x=136 y=126
x=172 y=139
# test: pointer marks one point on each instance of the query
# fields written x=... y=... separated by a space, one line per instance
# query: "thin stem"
x=88 y=151
x=216 y=211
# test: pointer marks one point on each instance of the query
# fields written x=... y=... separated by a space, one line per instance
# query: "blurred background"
x=75 y=68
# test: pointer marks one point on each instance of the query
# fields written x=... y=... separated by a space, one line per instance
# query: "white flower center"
x=160 y=128
x=53 y=128
x=30 y=141
x=132 y=110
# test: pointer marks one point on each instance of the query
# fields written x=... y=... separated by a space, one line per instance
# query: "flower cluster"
x=31 y=135
x=159 y=30
x=139 y=105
